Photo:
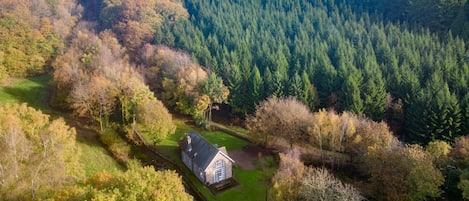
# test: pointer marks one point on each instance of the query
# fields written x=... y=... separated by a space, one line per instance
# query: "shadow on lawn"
x=23 y=96
x=33 y=93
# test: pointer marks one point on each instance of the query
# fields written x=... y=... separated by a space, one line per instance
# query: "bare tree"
x=320 y=185
x=294 y=181
x=287 y=118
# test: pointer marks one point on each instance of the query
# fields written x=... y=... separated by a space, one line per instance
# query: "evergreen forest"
x=343 y=55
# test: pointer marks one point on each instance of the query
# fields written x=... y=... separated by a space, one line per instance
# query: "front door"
x=219 y=174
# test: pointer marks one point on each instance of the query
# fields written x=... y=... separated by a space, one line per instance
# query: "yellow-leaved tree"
x=137 y=183
x=403 y=173
x=35 y=153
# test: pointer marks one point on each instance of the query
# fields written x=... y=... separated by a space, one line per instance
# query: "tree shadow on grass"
x=32 y=91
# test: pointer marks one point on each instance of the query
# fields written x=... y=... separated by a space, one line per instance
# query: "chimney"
x=189 y=140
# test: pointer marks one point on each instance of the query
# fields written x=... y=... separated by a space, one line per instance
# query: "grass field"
x=253 y=183
x=33 y=91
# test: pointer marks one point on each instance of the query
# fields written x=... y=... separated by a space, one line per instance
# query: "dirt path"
x=246 y=156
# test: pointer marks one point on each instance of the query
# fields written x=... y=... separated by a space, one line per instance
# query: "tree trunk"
x=209 y=115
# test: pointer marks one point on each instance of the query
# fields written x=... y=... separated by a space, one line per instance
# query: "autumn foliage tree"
x=176 y=79
x=36 y=153
x=215 y=92
x=294 y=181
x=94 y=79
x=403 y=173
x=348 y=133
x=439 y=150
x=151 y=115
x=460 y=150
x=287 y=180
x=286 y=118
x=32 y=32
x=137 y=183
x=135 y=22
x=181 y=83
x=460 y=154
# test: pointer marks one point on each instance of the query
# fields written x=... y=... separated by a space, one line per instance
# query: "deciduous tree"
x=287 y=180
x=286 y=118
x=319 y=184
x=151 y=115
x=137 y=183
x=403 y=173
x=216 y=91
x=35 y=152
x=294 y=181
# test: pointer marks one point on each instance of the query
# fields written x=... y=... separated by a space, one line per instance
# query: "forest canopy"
x=31 y=33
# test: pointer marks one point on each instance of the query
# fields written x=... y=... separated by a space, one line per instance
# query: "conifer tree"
x=445 y=116
x=326 y=79
x=351 y=100
x=415 y=115
x=309 y=95
x=373 y=91
x=236 y=97
x=255 y=89
x=295 y=87
x=465 y=115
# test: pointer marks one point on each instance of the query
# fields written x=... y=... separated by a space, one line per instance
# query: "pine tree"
x=268 y=80
x=237 y=92
x=325 y=79
x=465 y=115
x=373 y=91
x=445 y=116
x=275 y=86
x=309 y=94
x=351 y=100
x=434 y=114
x=255 y=89
x=295 y=87
x=416 y=116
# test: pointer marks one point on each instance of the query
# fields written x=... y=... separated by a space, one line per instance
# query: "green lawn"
x=33 y=91
x=96 y=159
x=253 y=183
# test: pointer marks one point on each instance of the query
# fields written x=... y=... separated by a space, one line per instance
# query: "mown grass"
x=33 y=91
x=253 y=183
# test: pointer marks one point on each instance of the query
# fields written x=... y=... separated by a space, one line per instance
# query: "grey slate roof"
x=202 y=151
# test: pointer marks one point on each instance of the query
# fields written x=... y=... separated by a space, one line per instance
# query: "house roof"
x=200 y=150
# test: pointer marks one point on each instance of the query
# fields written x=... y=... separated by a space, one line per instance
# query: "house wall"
x=186 y=160
x=194 y=168
x=209 y=172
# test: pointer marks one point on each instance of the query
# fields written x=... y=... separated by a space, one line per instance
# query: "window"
x=219 y=173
